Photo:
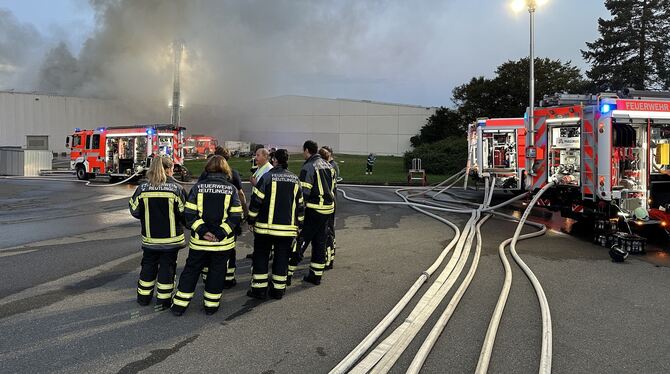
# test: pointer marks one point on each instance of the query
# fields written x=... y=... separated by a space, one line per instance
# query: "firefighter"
x=275 y=213
x=159 y=205
x=213 y=212
x=236 y=180
x=370 y=163
x=327 y=155
x=316 y=180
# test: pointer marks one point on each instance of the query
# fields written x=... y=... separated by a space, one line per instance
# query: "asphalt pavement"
x=70 y=258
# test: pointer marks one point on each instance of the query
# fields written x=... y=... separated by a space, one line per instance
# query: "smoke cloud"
x=20 y=45
x=238 y=50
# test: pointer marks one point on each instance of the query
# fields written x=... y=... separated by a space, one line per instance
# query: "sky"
x=411 y=52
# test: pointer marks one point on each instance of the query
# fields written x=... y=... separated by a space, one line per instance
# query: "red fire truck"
x=199 y=145
x=119 y=152
x=608 y=154
x=497 y=148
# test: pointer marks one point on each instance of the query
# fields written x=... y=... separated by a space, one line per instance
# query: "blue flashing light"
x=101 y=129
x=606 y=108
x=77 y=129
x=150 y=131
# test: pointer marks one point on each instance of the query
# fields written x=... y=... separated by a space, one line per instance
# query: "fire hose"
x=355 y=354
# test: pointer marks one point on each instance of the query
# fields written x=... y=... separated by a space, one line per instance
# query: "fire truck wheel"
x=81 y=173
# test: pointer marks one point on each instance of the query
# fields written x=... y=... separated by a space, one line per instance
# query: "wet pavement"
x=70 y=259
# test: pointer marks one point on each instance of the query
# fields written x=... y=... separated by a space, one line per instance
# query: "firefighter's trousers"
x=158 y=270
x=330 y=240
x=260 y=277
x=230 y=272
x=197 y=259
x=294 y=256
x=314 y=232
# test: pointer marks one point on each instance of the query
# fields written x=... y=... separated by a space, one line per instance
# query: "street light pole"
x=531 y=151
x=531 y=94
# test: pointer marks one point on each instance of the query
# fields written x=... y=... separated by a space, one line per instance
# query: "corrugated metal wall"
x=24 y=162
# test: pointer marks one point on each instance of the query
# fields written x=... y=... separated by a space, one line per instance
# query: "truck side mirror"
x=67 y=142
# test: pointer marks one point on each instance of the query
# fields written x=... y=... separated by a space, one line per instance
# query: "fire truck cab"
x=607 y=154
x=497 y=148
x=123 y=151
x=199 y=145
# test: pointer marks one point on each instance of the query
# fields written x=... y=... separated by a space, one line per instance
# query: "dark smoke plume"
x=237 y=50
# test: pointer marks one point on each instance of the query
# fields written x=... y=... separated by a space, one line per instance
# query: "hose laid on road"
x=429 y=343
x=424 y=206
x=546 y=353
x=351 y=359
x=386 y=353
x=346 y=363
x=88 y=183
x=489 y=340
x=487 y=348
x=390 y=350
x=425 y=190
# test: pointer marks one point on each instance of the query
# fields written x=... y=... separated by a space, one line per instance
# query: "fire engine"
x=607 y=154
x=123 y=151
x=197 y=145
x=497 y=148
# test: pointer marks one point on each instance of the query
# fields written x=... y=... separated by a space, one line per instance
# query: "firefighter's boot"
x=313 y=279
x=276 y=294
x=180 y=302
x=258 y=293
x=145 y=292
x=211 y=302
x=230 y=281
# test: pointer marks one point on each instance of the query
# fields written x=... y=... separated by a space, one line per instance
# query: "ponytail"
x=156 y=173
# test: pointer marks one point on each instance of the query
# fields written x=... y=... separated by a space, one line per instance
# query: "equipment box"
x=631 y=243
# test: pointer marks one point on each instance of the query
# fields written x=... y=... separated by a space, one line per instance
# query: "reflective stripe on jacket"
x=213 y=206
x=277 y=206
x=316 y=179
x=161 y=211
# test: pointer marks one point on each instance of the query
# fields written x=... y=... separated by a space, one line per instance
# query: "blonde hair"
x=156 y=173
x=218 y=164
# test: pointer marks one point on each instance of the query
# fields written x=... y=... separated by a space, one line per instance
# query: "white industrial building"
x=38 y=118
x=348 y=126
x=42 y=121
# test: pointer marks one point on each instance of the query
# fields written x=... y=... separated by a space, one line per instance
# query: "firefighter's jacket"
x=161 y=211
x=213 y=206
x=317 y=181
x=277 y=206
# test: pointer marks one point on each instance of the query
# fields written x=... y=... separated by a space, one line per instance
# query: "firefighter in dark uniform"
x=213 y=212
x=159 y=204
x=275 y=214
x=326 y=153
x=316 y=180
x=235 y=179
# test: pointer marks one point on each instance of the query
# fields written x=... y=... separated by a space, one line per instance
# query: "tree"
x=504 y=96
x=444 y=123
x=551 y=76
x=634 y=46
